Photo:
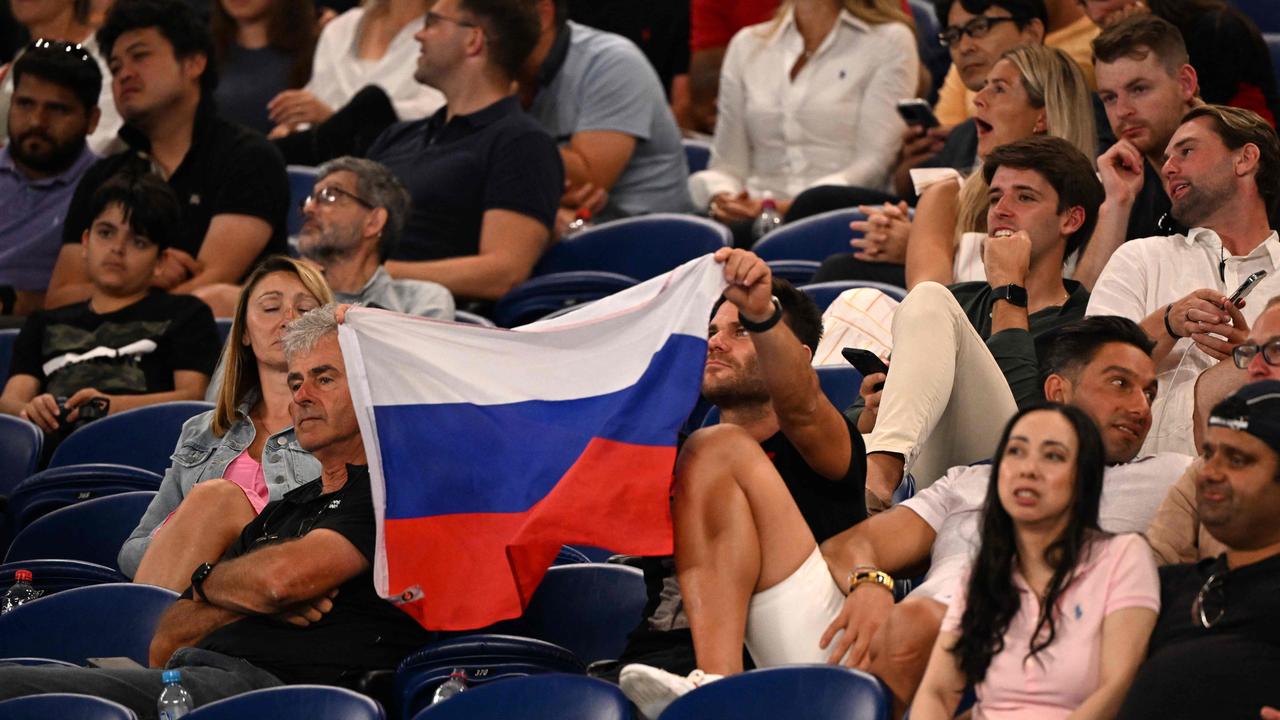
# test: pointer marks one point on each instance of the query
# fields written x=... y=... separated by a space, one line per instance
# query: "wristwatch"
x=197 y=580
x=763 y=325
x=871 y=576
x=1015 y=295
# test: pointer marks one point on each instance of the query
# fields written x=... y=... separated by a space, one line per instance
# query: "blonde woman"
x=230 y=461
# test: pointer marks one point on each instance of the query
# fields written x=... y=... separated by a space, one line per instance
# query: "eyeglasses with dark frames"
x=976 y=28
x=1244 y=353
x=432 y=18
x=1211 y=602
x=329 y=195
x=75 y=50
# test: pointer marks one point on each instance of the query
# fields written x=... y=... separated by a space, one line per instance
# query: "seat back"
x=53 y=576
x=302 y=178
x=7 y=337
x=114 y=620
x=799 y=691
x=697 y=153
x=143 y=437
x=1273 y=43
x=64 y=705
x=540 y=296
x=816 y=237
x=825 y=293
x=293 y=702
x=539 y=697
x=796 y=272
x=92 y=531
x=1264 y=13
x=638 y=247
x=20 y=446
x=59 y=487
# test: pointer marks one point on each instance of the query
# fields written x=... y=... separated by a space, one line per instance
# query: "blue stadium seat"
x=35 y=661
x=539 y=697
x=594 y=554
x=639 y=247
x=224 y=328
x=798 y=691
x=1273 y=41
x=825 y=293
x=293 y=702
x=539 y=296
x=816 y=237
x=91 y=531
x=571 y=556
x=1264 y=13
x=470 y=318
x=143 y=437
x=55 y=488
x=697 y=153
x=302 y=179
x=115 y=620
x=7 y=338
x=796 y=272
x=485 y=658
x=20 y=445
x=64 y=705
x=54 y=576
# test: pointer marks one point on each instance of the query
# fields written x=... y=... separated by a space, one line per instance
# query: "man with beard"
x=54 y=108
x=1222 y=176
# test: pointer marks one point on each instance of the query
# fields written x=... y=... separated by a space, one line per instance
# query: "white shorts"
x=785 y=622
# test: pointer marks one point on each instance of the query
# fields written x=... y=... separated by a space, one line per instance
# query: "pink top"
x=1119 y=573
x=247 y=473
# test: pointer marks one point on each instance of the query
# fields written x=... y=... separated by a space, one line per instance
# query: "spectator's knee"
x=216 y=498
x=910 y=631
x=712 y=452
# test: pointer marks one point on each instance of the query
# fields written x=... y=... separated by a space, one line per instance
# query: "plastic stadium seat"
x=825 y=293
x=816 y=237
x=33 y=662
x=143 y=437
x=54 y=576
x=594 y=554
x=7 y=338
x=20 y=445
x=540 y=697
x=697 y=153
x=116 y=620
x=302 y=179
x=1264 y=13
x=485 y=658
x=469 y=318
x=1273 y=40
x=539 y=296
x=796 y=272
x=571 y=556
x=293 y=702
x=798 y=691
x=64 y=705
x=639 y=247
x=55 y=488
x=91 y=531
x=224 y=328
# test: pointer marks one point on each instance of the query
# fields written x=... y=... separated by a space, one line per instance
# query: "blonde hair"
x=872 y=12
x=1055 y=84
x=239 y=364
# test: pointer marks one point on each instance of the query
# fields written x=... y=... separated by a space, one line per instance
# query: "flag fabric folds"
x=488 y=449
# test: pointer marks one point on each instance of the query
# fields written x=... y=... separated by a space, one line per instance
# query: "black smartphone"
x=1246 y=287
x=917 y=112
x=866 y=362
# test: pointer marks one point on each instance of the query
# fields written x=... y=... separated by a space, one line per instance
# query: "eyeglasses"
x=1244 y=354
x=433 y=18
x=329 y=195
x=75 y=50
x=1211 y=602
x=976 y=28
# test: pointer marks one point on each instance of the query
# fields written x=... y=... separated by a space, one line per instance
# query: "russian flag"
x=488 y=449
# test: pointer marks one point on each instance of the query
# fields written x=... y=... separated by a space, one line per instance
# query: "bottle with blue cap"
x=175 y=701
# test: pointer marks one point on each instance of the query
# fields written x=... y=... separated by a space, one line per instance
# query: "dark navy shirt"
x=497 y=158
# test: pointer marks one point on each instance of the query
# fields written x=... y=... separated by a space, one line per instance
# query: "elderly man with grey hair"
x=292 y=601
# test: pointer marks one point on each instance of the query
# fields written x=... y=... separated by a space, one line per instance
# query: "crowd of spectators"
x=1082 y=381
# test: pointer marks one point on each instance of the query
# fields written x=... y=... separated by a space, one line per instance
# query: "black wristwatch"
x=1015 y=295
x=763 y=325
x=198 y=578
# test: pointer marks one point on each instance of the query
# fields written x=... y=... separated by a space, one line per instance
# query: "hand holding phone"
x=866 y=362
x=1246 y=287
x=917 y=112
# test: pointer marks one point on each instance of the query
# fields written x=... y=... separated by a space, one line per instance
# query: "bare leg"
x=205 y=524
x=900 y=650
x=737 y=531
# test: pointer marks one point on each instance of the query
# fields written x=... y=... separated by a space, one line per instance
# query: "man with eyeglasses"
x=1215 y=651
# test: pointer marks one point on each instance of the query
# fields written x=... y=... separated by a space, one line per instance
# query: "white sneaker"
x=652 y=689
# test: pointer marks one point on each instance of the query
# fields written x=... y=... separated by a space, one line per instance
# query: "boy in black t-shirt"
x=129 y=345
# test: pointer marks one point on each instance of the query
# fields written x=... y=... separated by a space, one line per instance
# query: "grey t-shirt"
x=411 y=297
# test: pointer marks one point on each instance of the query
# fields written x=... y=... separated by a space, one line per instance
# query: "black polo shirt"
x=1149 y=207
x=458 y=168
x=228 y=171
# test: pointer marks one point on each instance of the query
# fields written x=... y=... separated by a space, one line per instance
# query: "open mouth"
x=1178 y=189
x=1128 y=430
x=1002 y=232
x=983 y=126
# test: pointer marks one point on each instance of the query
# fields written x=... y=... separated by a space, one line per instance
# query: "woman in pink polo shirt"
x=1053 y=618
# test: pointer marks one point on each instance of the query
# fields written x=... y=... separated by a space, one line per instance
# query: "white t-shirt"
x=952 y=506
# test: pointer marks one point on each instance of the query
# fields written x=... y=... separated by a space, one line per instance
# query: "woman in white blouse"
x=368 y=45
x=808 y=98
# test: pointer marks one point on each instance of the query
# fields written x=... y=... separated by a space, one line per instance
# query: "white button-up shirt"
x=1147 y=274
x=836 y=123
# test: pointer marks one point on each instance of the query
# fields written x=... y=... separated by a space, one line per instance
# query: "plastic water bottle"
x=175 y=701
x=769 y=218
x=581 y=221
x=20 y=592
x=456 y=683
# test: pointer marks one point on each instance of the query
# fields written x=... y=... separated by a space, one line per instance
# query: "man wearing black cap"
x=1215 y=651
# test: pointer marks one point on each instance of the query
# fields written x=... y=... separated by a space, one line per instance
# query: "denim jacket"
x=201 y=455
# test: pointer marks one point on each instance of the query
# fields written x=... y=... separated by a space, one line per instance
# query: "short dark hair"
x=1022 y=11
x=1065 y=168
x=1238 y=127
x=150 y=206
x=512 y=28
x=1137 y=36
x=175 y=20
x=1075 y=344
x=801 y=314
x=70 y=66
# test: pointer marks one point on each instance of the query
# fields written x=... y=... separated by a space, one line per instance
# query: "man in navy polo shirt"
x=485 y=178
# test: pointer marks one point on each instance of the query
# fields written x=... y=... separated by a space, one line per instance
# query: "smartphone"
x=1246 y=287
x=866 y=362
x=917 y=112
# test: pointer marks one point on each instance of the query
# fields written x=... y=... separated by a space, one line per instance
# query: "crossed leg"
x=900 y=649
x=205 y=524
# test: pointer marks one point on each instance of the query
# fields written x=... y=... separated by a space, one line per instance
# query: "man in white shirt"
x=1222 y=176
